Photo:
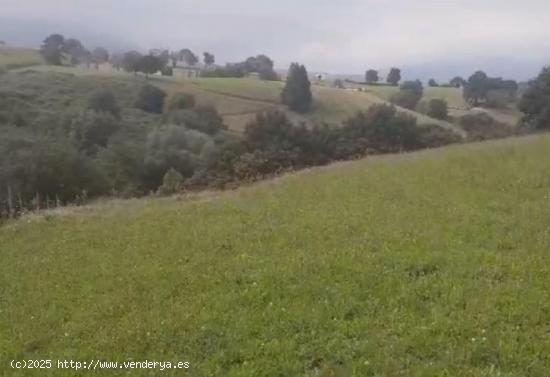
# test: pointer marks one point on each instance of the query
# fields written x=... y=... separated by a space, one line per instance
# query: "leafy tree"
x=208 y=59
x=261 y=64
x=150 y=64
x=535 y=103
x=188 y=57
x=458 y=82
x=432 y=83
x=76 y=51
x=297 y=91
x=394 y=76
x=151 y=99
x=103 y=100
x=131 y=61
x=100 y=56
x=476 y=88
x=52 y=49
x=437 y=108
x=371 y=76
x=409 y=95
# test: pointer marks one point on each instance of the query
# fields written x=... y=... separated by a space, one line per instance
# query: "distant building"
x=180 y=69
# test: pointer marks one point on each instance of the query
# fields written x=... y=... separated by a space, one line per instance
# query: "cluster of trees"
x=393 y=78
x=260 y=64
x=481 y=89
x=535 y=102
x=56 y=49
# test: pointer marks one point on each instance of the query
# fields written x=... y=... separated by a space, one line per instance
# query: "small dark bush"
x=483 y=127
x=181 y=101
x=151 y=99
x=437 y=108
x=104 y=100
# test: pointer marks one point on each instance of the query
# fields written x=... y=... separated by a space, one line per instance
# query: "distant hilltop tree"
x=188 y=57
x=131 y=61
x=481 y=89
x=52 y=49
x=261 y=64
x=150 y=64
x=76 y=52
x=432 y=83
x=297 y=91
x=208 y=59
x=99 y=56
x=371 y=76
x=394 y=76
x=457 y=82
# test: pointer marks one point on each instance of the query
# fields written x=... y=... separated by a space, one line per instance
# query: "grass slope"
x=238 y=100
x=11 y=57
x=427 y=264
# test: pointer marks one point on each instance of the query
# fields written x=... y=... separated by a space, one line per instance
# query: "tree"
x=410 y=93
x=188 y=57
x=131 y=61
x=150 y=64
x=100 y=56
x=52 y=49
x=76 y=51
x=209 y=59
x=103 y=100
x=297 y=91
x=432 y=83
x=458 y=82
x=535 y=103
x=92 y=130
x=437 y=108
x=151 y=99
x=394 y=76
x=262 y=65
x=476 y=88
x=371 y=76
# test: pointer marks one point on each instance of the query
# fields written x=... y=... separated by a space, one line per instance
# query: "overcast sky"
x=336 y=36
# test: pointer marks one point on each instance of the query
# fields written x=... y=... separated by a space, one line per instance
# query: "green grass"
x=427 y=264
x=11 y=57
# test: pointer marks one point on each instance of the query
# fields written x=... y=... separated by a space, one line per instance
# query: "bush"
x=297 y=91
x=409 y=95
x=171 y=182
x=104 y=100
x=437 y=108
x=202 y=118
x=535 y=103
x=151 y=99
x=483 y=127
x=181 y=101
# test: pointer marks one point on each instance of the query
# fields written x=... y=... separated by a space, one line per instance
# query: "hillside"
x=12 y=57
x=426 y=264
x=239 y=99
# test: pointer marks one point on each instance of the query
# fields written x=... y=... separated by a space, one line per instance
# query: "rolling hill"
x=425 y=264
x=239 y=99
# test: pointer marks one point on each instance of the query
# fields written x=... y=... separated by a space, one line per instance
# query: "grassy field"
x=11 y=57
x=427 y=264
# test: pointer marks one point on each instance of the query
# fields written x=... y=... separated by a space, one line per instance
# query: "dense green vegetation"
x=425 y=264
x=70 y=138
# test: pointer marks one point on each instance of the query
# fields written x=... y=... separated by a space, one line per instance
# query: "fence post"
x=10 y=204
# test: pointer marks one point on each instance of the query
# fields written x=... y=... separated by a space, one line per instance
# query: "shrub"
x=171 y=182
x=437 y=108
x=181 y=101
x=409 y=94
x=104 y=100
x=202 y=118
x=151 y=99
x=535 y=103
x=483 y=127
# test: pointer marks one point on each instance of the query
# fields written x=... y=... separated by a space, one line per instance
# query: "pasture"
x=426 y=264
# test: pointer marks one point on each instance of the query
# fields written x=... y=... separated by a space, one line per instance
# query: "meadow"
x=11 y=57
x=432 y=263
